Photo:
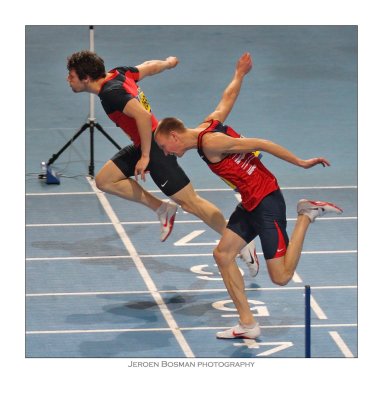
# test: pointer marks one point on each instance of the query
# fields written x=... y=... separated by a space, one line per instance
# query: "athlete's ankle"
x=249 y=325
x=161 y=208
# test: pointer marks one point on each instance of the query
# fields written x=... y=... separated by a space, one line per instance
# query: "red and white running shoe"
x=249 y=256
x=167 y=214
x=240 y=332
x=314 y=209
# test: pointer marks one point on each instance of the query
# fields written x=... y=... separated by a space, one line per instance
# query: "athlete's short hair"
x=87 y=63
x=169 y=124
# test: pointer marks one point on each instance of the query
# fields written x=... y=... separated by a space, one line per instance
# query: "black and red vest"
x=116 y=91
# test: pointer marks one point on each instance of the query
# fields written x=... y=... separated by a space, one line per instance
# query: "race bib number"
x=143 y=100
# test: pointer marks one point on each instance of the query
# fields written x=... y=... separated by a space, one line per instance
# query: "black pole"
x=91 y=162
x=307 y=321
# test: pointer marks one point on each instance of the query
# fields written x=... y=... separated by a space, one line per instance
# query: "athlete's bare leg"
x=224 y=255
x=111 y=180
x=282 y=269
x=190 y=202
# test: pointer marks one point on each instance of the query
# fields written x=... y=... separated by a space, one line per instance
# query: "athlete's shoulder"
x=114 y=94
x=118 y=79
x=125 y=69
x=208 y=125
x=128 y=72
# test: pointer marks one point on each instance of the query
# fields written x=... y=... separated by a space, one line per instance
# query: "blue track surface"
x=89 y=294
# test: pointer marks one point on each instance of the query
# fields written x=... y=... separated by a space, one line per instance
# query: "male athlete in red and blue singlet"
x=262 y=211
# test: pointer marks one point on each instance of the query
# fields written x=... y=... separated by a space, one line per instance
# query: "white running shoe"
x=314 y=209
x=167 y=214
x=239 y=332
x=249 y=256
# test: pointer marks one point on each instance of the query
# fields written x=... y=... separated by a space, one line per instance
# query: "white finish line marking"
x=142 y=270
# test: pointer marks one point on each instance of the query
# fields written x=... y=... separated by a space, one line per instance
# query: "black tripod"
x=91 y=124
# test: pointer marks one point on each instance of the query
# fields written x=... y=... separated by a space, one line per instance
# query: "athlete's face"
x=75 y=83
x=170 y=144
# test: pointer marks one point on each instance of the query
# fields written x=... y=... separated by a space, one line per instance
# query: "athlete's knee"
x=281 y=278
x=280 y=281
x=100 y=182
x=105 y=183
x=280 y=273
x=222 y=257
x=108 y=176
x=219 y=258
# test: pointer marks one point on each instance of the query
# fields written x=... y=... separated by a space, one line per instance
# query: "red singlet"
x=243 y=172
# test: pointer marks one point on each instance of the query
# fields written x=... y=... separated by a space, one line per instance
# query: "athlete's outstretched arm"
x=154 y=67
x=222 y=144
x=134 y=109
x=230 y=94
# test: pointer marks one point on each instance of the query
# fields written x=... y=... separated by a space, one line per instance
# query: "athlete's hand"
x=244 y=64
x=314 y=161
x=140 y=167
x=172 y=61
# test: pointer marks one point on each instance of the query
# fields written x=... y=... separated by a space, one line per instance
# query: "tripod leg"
x=100 y=128
x=57 y=155
x=91 y=163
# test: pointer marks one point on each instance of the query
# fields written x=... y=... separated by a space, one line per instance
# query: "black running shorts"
x=164 y=170
x=268 y=220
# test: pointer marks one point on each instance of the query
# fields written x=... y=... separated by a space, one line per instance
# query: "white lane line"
x=341 y=344
x=197 y=190
x=69 y=224
x=76 y=258
x=156 y=222
x=60 y=194
x=143 y=271
x=197 y=328
x=171 y=255
x=128 y=292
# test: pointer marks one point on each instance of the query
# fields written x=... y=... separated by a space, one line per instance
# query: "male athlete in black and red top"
x=262 y=211
x=116 y=91
x=127 y=106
